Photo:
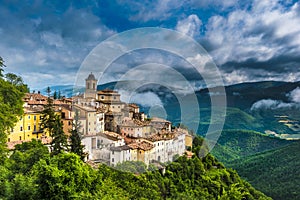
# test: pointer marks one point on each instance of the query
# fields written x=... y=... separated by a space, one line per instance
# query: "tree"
x=59 y=139
x=59 y=94
x=51 y=122
x=48 y=116
x=55 y=95
x=48 y=90
x=76 y=136
x=16 y=81
x=1 y=65
x=11 y=106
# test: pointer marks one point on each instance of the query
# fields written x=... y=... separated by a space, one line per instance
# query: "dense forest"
x=30 y=172
x=234 y=144
x=275 y=172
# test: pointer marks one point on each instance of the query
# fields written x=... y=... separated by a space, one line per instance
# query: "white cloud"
x=295 y=95
x=189 y=26
x=151 y=10
x=49 y=44
x=264 y=32
x=272 y=104
x=146 y=99
x=234 y=77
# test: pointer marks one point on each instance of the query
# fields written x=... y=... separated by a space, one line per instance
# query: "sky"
x=45 y=42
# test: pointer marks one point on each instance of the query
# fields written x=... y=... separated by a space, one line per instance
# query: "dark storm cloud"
x=249 y=41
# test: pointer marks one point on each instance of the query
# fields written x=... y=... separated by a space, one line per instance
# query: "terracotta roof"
x=159 y=120
x=133 y=105
x=143 y=145
x=11 y=145
x=162 y=136
x=108 y=92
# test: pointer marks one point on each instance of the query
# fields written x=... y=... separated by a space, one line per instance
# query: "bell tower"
x=90 y=87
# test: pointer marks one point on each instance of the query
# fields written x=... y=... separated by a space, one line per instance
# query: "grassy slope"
x=275 y=172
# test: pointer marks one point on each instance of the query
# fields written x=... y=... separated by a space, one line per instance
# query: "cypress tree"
x=75 y=137
x=59 y=139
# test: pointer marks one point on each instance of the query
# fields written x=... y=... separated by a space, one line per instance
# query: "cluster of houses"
x=113 y=131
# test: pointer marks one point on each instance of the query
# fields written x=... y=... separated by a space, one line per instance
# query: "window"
x=29 y=128
x=102 y=97
x=113 y=152
x=20 y=138
x=21 y=128
x=115 y=97
x=112 y=160
x=34 y=128
x=28 y=116
x=8 y=139
x=34 y=117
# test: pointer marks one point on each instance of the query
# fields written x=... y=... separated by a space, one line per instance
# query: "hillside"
x=274 y=172
x=31 y=173
x=234 y=144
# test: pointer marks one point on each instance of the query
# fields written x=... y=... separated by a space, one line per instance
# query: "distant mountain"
x=275 y=172
x=244 y=95
x=240 y=99
x=65 y=90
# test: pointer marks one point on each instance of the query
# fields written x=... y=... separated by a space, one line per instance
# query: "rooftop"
x=91 y=77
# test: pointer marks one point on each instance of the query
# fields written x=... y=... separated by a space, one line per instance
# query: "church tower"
x=90 y=87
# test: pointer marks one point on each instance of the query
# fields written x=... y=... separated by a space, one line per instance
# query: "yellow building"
x=28 y=127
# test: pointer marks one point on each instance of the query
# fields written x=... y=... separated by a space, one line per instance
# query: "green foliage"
x=59 y=138
x=11 y=107
x=274 y=172
x=16 y=81
x=1 y=66
x=55 y=95
x=52 y=123
x=75 y=137
x=25 y=155
x=65 y=176
x=62 y=177
x=48 y=116
x=234 y=144
x=136 y=167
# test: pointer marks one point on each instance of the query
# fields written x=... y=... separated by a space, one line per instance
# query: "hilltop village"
x=112 y=131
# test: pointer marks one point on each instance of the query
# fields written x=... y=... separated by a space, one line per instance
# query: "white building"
x=98 y=146
x=119 y=154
